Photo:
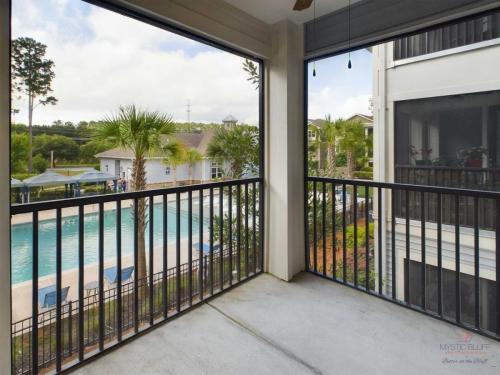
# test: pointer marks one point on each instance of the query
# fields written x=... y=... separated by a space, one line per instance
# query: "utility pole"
x=188 y=106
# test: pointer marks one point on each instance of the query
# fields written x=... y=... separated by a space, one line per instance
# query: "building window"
x=167 y=170
x=487 y=293
x=215 y=170
x=107 y=168
x=458 y=34
x=311 y=134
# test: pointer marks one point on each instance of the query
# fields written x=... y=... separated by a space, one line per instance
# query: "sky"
x=339 y=91
x=104 y=60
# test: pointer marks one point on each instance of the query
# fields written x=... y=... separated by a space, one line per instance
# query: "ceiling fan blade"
x=302 y=4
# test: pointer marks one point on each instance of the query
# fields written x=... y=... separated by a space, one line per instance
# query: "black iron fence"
x=487 y=179
x=364 y=234
x=70 y=333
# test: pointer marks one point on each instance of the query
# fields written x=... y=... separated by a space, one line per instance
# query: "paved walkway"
x=308 y=326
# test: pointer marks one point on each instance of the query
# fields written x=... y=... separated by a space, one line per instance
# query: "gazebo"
x=19 y=189
x=50 y=178
x=94 y=176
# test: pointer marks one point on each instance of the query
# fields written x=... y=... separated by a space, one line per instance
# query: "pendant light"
x=314 y=34
x=349 y=64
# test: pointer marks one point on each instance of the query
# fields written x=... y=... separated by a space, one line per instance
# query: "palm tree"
x=175 y=155
x=329 y=135
x=192 y=157
x=237 y=146
x=353 y=142
x=139 y=131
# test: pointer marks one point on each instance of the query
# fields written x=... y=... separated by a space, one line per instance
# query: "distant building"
x=118 y=161
x=230 y=121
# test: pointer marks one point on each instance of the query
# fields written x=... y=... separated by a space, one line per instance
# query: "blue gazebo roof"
x=49 y=178
x=95 y=176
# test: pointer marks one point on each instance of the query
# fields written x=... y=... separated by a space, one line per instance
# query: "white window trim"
x=448 y=52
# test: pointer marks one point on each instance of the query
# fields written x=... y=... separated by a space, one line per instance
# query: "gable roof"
x=197 y=141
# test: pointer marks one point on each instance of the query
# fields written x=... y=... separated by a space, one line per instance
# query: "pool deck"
x=21 y=292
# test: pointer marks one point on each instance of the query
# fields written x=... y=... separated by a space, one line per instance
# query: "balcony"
x=278 y=274
x=308 y=326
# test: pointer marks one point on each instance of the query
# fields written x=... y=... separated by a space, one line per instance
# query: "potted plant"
x=473 y=157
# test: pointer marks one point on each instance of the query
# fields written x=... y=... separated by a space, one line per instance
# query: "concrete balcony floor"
x=308 y=326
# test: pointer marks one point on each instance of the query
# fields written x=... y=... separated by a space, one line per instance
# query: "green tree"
x=192 y=157
x=32 y=76
x=64 y=148
x=252 y=70
x=238 y=146
x=354 y=143
x=140 y=131
x=93 y=147
x=40 y=164
x=175 y=155
x=19 y=150
x=329 y=136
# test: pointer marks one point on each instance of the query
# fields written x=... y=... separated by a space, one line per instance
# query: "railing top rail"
x=446 y=168
x=17 y=209
x=409 y=187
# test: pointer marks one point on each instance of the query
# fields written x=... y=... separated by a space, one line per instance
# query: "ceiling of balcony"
x=278 y=10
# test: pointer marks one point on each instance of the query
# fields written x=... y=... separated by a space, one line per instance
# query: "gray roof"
x=230 y=118
x=49 y=178
x=197 y=141
x=95 y=176
x=15 y=183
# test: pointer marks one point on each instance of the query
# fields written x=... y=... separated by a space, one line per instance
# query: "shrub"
x=39 y=164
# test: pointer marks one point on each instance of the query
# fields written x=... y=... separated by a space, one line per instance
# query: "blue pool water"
x=22 y=236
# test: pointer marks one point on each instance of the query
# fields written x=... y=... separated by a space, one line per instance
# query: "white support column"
x=4 y=190
x=284 y=156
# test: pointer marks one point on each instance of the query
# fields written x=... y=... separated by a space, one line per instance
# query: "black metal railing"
x=359 y=233
x=487 y=179
x=228 y=241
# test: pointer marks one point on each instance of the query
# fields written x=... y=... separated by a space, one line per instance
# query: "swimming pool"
x=22 y=235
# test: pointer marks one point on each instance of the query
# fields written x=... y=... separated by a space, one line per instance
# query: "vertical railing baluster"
x=164 y=274
x=178 y=249
x=190 y=247
x=102 y=322
x=422 y=249
x=238 y=232
x=59 y=353
x=334 y=233
x=344 y=234
x=254 y=227
x=261 y=223
x=211 y=259
x=246 y=231
x=315 y=228
x=393 y=243
x=476 y=264
x=457 y=260
x=136 y=266
x=151 y=259
x=379 y=240
x=34 y=300
x=323 y=227
x=119 y=302
x=439 y=254
x=355 y=230
x=230 y=233
x=407 y=247
x=200 y=242
x=81 y=281
x=367 y=239
x=221 y=237
x=70 y=328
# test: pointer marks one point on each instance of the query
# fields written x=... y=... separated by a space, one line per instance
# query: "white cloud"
x=117 y=61
x=327 y=101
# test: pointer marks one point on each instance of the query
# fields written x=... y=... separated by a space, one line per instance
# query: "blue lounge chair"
x=47 y=297
x=111 y=274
